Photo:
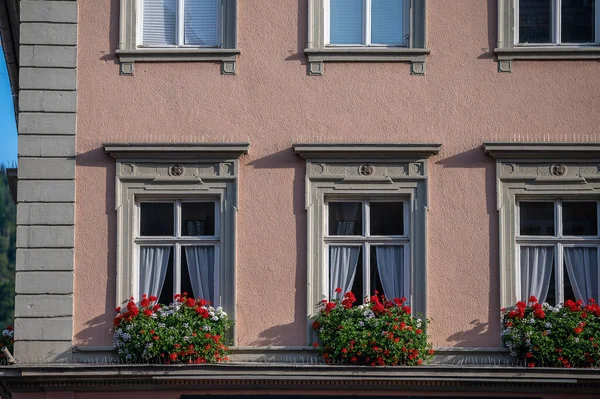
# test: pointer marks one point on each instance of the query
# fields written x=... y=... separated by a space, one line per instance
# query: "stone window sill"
x=317 y=56
x=226 y=56
x=508 y=54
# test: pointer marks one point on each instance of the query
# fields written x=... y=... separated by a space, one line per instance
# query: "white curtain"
x=201 y=266
x=582 y=268
x=393 y=271
x=342 y=269
x=154 y=262
x=536 y=272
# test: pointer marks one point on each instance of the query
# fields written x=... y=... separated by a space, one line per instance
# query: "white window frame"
x=556 y=28
x=367 y=22
x=558 y=241
x=365 y=241
x=177 y=241
x=180 y=26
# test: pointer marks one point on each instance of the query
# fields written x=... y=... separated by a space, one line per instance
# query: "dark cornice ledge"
x=359 y=151
x=189 y=151
x=552 y=150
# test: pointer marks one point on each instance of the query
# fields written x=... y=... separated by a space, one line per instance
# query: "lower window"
x=367 y=243
x=558 y=249
x=177 y=246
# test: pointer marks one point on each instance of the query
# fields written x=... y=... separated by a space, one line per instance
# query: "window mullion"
x=177 y=269
x=560 y=275
x=180 y=23
x=366 y=269
x=558 y=224
x=367 y=22
x=556 y=19
x=366 y=214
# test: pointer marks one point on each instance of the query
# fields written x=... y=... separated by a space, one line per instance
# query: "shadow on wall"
x=113 y=33
x=302 y=27
x=96 y=331
x=295 y=332
x=492 y=24
x=483 y=333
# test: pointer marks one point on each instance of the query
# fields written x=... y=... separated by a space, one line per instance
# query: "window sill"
x=227 y=57
x=317 y=56
x=548 y=53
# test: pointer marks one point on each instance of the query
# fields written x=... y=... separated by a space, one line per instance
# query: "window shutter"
x=201 y=23
x=346 y=21
x=159 y=22
x=387 y=22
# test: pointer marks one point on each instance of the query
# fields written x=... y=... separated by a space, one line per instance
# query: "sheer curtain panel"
x=536 y=271
x=342 y=269
x=393 y=271
x=154 y=262
x=582 y=268
x=201 y=265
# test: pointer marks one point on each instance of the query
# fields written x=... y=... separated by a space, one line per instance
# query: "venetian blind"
x=201 y=23
x=159 y=22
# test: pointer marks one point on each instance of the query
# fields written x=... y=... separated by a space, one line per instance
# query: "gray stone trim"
x=47 y=101
x=209 y=170
x=44 y=282
x=49 y=56
x=507 y=50
x=42 y=306
x=37 y=329
x=273 y=378
x=318 y=53
x=45 y=259
x=46 y=189
x=525 y=169
x=397 y=170
x=129 y=51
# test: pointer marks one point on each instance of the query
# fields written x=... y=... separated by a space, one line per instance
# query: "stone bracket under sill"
x=318 y=56
x=507 y=55
x=227 y=57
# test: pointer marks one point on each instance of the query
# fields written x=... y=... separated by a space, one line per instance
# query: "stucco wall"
x=461 y=102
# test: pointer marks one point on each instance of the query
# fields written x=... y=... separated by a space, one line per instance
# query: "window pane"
x=200 y=22
x=580 y=218
x=155 y=264
x=387 y=20
x=375 y=277
x=387 y=218
x=198 y=219
x=159 y=22
x=578 y=21
x=345 y=218
x=537 y=218
x=343 y=265
x=535 y=24
x=346 y=21
x=156 y=219
x=357 y=286
x=537 y=269
x=581 y=267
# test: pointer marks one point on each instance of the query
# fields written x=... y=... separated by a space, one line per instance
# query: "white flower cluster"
x=369 y=314
x=8 y=333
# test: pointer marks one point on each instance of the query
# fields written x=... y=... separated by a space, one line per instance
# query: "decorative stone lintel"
x=548 y=151
x=367 y=151
x=176 y=151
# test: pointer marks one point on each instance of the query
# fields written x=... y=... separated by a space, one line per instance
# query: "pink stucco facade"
x=272 y=103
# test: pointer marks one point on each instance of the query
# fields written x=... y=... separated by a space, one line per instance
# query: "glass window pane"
x=580 y=218
x=357 y=286
x=198 y=272
x=198 y=219
x=200 y=27
x=551 y=297
x=537 y=218
x=577 y=21
x=346 y=21
x=345 y=218
x=387 y=218
x=343 y=265
x=159 y=22
x=535 y=21
x=387 y=22
x=374 y=274
x=156 y=219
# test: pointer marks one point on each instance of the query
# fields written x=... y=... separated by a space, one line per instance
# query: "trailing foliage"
x=553 y=336
x=186 y=331
x=8 y=216
x=379 y=333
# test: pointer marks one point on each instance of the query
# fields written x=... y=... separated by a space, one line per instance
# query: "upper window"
x=178 y=30
x=367 y=22
x=366 y=30
x=368 y=247
x=557 y=22
x=177 y=246
x=557 y=250
x=170 y=23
